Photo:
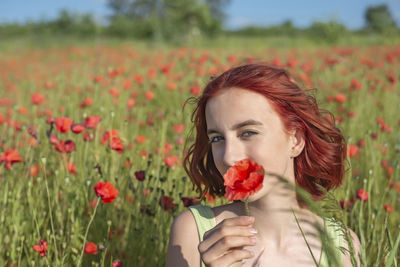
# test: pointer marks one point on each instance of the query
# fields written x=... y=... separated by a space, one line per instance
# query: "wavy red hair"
x=322 y=159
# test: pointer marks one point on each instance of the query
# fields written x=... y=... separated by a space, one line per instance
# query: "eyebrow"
x=238 y=125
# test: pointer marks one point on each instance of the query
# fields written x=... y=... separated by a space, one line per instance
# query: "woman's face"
x=242 y=124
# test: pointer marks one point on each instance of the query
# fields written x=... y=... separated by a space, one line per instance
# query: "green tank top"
x=205 y=220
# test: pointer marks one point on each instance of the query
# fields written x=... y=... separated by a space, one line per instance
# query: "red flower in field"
x=388 y=207
x=97 y=78
x=130 y=103
x=140 y=175
x=116 y=144
x=189 y=201
x=65 y=146
x=88 y=137
x=171 y=161
x=362 y=195
x=53 y=139
x=71 y=167
x=355 y=84
x=77 y=128
x=106 y=191
x=109 y=135
x=167 y=148
x=41 y=247
x=179 y=128
x=195 y=90
x=86 y=103
x=243 y=179
x=140 y=139
x=10 y=157
x=37 y=98
x=149 y=95
x=352 y=150
x=345 y=204
x=114 y=92
x=33 y=171
x=340 y=98
x=90 y=248
x=117 y=263
x=63 y=124
x=92 y=121
x=167 y=203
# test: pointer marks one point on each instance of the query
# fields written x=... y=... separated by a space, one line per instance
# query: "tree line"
x=186 y=19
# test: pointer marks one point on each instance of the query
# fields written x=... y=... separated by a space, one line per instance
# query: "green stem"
x=246 y=205
x=87 y=231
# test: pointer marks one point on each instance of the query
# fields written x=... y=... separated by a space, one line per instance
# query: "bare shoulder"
x=357 y=250
x=183 y=242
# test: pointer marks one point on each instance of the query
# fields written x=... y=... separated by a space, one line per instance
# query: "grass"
x=56 y=204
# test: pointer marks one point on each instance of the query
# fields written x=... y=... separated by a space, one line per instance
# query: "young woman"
x=258 y=112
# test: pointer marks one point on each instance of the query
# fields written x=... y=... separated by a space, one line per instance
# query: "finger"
x=233 y=256
x=235 y=221
x=227 y=243
x=224 y=231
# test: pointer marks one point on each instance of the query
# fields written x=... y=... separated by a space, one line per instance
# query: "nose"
x=233 y=152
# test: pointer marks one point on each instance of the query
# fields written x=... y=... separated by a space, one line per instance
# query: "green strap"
x=333 y=230
x=204 y=217
x=205 y=220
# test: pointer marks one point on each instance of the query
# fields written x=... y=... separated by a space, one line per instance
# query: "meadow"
x=73 y=114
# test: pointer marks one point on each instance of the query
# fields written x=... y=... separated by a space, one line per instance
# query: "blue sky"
x=239 y=12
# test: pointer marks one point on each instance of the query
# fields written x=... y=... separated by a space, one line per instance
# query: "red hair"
x=322 y=159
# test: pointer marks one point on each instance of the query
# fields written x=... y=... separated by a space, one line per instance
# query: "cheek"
x=272 y=155
x=217 y=156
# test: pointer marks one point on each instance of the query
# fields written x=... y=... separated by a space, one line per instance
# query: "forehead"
x=234 y=105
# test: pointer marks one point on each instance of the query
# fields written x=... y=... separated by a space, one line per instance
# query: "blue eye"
x=247 y=134
x=216 y=139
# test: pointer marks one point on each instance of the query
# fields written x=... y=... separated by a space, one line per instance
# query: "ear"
x=297 y=143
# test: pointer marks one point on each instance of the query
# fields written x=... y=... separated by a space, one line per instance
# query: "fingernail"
x=253 y=231
x=253 y=240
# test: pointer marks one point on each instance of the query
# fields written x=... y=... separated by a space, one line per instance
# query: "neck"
x=274 y=217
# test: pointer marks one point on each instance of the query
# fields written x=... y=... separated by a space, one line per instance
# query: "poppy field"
x=92 y=138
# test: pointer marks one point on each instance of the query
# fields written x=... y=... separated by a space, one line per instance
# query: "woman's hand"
x=223 y=244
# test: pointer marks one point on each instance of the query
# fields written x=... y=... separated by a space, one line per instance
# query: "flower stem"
x=246 y=205
x=87 y=231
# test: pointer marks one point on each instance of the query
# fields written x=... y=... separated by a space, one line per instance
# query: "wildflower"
x=362 y=195
x=140 y=139
x=140 y=175
x=167 y=203
x=77 y=128
x=63 y=124
x=92 y=121
x=340 y=98
x=10 y=157
x=179 y=128
x=352 y=150
x=37 y=98
x=41 y=247
x=109 y=135
x=388 y=207
x=171 y=161
x=90 y=248
x=106 y=191
x=243 y=179
x=116 y=263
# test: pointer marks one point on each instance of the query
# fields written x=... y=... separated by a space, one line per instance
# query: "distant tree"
x=329 y=32
x=379 y=19
x=169 y=18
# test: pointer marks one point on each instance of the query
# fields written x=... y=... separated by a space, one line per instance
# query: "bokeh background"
x=94 y=117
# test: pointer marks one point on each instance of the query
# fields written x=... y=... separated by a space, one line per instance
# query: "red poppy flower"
x=195 y=90
x=140 y=139
x=117 y=263
x=388 y=207
x=77 y=128
x=10 y=157
x=340 y=98
x=352 y=150
x=362 y=195
x=65 y=146
x=63 y=124
x=116 y=144
x=179 y=128
x=109 y=135
x=71 y=167
x=86 y=103
x=90 y=248
x=106 y=191
x=92 y=121
x=140 y=175
x=243 y=179
x=167 y=203
x=41 y=247
x=37 y=98
x=149 y=95
x=189 y=201
x=171 y=161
